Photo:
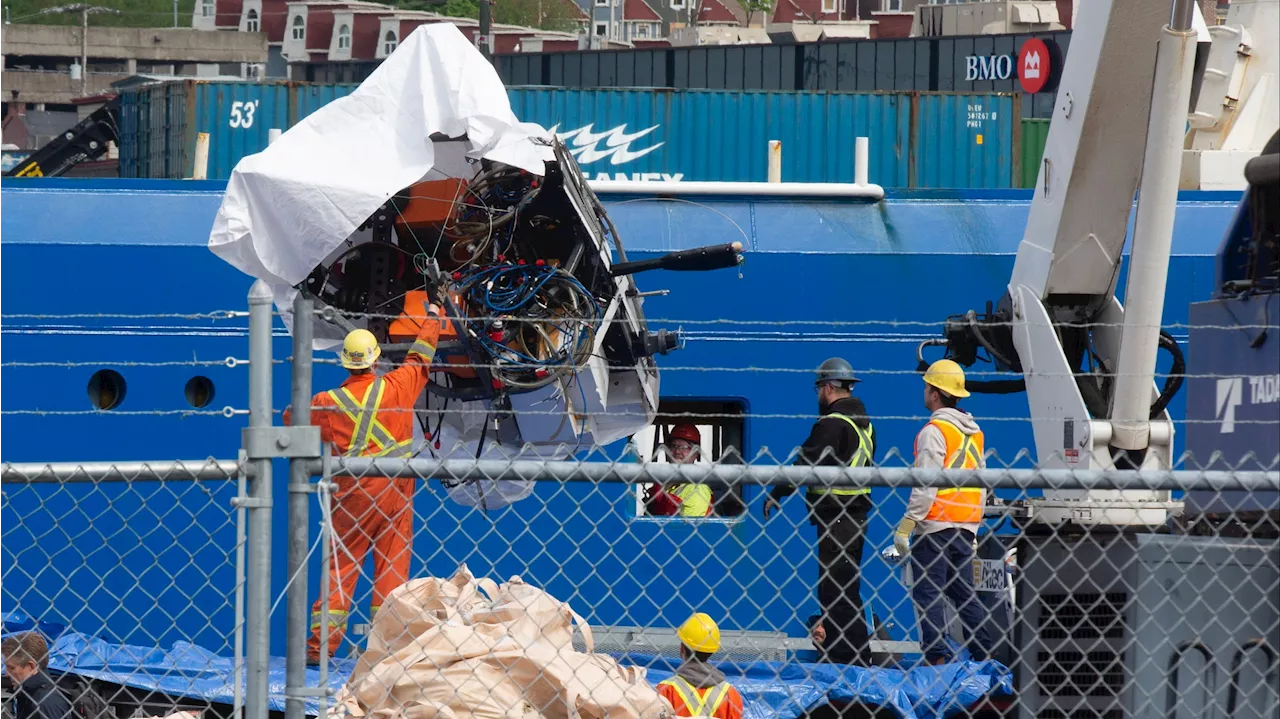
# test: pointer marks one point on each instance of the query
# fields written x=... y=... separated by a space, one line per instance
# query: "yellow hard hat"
x=700 y=634
x=360 y=350
x=946 y=376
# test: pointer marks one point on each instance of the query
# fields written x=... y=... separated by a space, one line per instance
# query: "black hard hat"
x=836 y=370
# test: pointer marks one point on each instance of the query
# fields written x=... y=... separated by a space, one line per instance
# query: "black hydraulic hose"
x=1177 y=373
x=997 y=386
x=982 y=340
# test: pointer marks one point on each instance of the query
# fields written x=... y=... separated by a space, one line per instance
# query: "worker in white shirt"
x=945 y=522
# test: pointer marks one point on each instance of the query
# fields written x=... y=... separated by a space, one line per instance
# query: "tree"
x=133 y=13
x=756 y=6
x=542 y=14
x=559 y=15
x=452 y=8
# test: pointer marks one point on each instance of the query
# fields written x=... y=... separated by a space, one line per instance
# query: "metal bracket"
x=281 y=442
x=308 y=693
x=312 y=488
x=250 y=503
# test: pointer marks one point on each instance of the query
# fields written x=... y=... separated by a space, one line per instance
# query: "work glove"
x=902 y=536
x=433 y=309
x=891 y=555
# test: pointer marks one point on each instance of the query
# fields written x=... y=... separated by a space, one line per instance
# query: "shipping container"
x=959 y=141
x=722 y=136
x=159 y=124
x=1035 y=133
x=963 y=141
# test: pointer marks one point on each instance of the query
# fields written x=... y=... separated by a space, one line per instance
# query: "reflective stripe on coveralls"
x=704 y=704
x=861 y=458
x=961 y=505
x=364 y=416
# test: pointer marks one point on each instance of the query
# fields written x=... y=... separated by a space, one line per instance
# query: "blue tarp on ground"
x=769 y=689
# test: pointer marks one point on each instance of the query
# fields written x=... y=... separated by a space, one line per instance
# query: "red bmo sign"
x=1033 y=65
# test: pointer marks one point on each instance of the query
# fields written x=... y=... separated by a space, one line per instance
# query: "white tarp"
x=288 y=207
x=298 y=203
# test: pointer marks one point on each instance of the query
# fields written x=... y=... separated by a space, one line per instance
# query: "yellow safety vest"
x=699 y=705
x=861 y=458
x=961 y=505
x=695 y=500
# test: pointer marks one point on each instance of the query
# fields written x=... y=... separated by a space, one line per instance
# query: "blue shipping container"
x=961 y=141
x=159 y=124
x=723 y=136
x=916 y=140
x=964 y=141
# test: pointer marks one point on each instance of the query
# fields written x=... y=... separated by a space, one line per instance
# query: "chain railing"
x=505 y=584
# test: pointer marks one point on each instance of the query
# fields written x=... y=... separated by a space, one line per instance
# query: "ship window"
x=106 y=389
x=721 y=428
x=199 y=391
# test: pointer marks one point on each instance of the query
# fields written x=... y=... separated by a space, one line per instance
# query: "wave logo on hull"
x=588 y=146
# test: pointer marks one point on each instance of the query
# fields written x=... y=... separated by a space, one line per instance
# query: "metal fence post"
x=258 y=594
x=297 y=626
x=238 y=670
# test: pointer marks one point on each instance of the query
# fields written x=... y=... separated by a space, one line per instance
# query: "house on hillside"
x=312 y=32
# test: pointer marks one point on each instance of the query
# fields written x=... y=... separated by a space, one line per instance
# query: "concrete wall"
x=56 y=88
x=135 y=43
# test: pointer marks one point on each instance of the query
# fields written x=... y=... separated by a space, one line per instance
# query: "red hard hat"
x=687 y=432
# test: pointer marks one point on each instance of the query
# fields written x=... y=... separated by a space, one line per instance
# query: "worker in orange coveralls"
x=370 y=416
x=698 y=689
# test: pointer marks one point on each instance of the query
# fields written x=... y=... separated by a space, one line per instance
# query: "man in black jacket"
x=26 y=662
x=842 y=437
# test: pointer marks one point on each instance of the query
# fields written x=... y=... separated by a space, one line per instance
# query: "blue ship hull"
x=155 y=563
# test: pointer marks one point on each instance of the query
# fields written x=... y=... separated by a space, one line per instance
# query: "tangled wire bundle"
x=539 y=321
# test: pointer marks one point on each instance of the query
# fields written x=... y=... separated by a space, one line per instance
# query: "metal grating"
x=1083 y=615
x=1095 y=674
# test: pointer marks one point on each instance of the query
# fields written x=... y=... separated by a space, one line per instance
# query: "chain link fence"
x=506 y=584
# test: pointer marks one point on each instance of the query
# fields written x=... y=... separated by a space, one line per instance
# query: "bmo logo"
x=1034 y=65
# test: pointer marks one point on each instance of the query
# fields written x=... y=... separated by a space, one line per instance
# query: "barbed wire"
x=214 y=315
x=228 y=362
x=444 y=367
x=227 y=412
x=230 y=412
x=809 y=416
x=727 y=322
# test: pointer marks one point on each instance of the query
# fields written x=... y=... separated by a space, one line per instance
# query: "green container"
x=1034 y=134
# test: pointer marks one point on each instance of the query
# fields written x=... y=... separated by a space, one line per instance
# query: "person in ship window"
x=683 y=446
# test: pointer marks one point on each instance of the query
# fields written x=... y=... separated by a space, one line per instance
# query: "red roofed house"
x=679 y=14
x=622 y=23
x=328 y=31
x=814 y=20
